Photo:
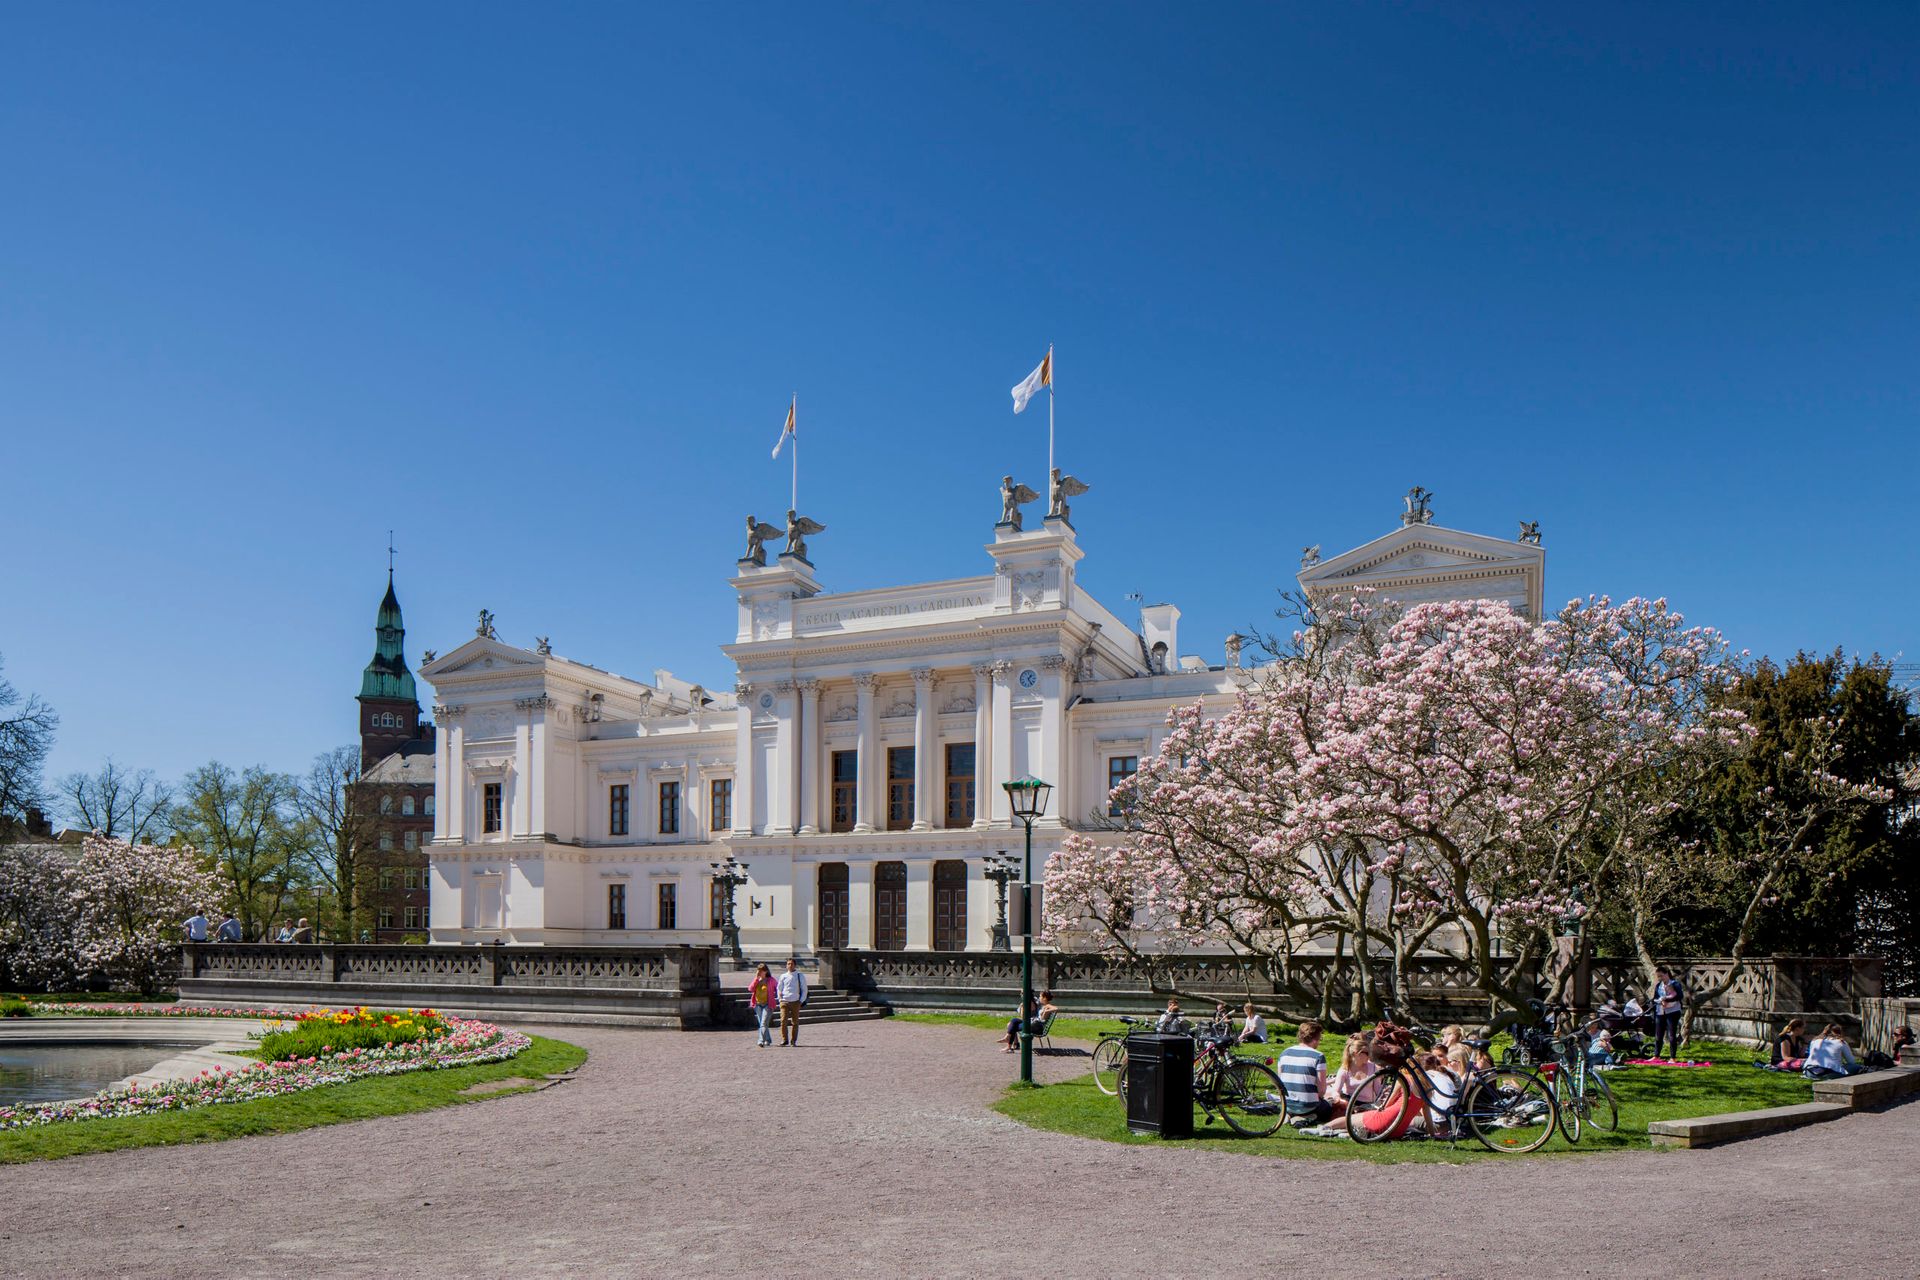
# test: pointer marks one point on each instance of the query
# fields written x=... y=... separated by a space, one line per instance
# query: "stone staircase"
x=824 y=1004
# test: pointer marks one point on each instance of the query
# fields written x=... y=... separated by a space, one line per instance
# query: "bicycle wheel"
x=1511 y=1112
x=1571 y=1102
x=1603 y=1113
x=1248 y=1097
x=1378 y=1093
x=1109 y=1064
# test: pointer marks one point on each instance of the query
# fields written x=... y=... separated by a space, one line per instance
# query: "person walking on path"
x=791 y=991
x=760 y=1000
x=196 y=926
x=1668 y=1000
x=229 y=930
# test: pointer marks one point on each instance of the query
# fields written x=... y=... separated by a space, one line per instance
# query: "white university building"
x=855 y=764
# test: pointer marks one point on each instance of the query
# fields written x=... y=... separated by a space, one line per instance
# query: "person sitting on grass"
x=1450 y=1035
x=1599 y=1044
x=1303 y=1074
x=1790 y=1046
x=1255 y=1029
x=1041 y=1013
x=1171 y=1022
x=1831 y=1055
x=1356 y=1067
x=1392 y=1086
x=1443 y=1091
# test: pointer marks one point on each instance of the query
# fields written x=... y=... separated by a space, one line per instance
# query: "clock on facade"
x=1029 y=678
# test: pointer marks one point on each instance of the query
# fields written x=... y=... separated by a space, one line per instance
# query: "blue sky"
x=531 y=285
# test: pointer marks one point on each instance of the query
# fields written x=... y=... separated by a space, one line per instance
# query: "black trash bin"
x=1160 y=1085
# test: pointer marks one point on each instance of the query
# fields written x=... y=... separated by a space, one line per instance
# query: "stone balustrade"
x=647 y=986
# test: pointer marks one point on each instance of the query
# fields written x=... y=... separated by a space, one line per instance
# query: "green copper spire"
x=387 y=677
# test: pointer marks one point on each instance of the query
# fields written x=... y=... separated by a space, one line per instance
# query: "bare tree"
x=339 y=813
x=26 y=733
x=119 y=803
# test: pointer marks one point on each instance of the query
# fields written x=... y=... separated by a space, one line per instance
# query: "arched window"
x=386 y=804
x=406 y=805
x=429 y=806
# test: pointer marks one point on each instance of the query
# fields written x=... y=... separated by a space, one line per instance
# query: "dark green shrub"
x=15 y=1009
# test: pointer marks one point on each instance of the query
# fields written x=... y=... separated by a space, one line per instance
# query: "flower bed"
x=91 y=1009
x=465 y=1043
x=330 y=1031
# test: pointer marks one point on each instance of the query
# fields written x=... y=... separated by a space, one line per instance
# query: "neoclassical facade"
x=855 y=764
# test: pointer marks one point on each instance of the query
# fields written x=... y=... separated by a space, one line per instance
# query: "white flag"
x=1041 y=377
x=786 y=431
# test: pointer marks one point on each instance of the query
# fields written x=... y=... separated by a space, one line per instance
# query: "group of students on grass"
x=1318 y=1106
x=1829 y=1054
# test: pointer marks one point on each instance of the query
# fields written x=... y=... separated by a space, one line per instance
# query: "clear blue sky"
x=532 y=284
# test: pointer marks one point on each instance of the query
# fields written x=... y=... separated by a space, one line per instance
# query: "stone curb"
x=1833 y=1099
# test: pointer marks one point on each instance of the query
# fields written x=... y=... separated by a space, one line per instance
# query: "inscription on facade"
x=897 y=609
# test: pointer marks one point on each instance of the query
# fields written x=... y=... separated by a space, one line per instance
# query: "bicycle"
x=1509 y=1110
x=1110 y=1058
x=1243 y=1093
x=1583 y=1096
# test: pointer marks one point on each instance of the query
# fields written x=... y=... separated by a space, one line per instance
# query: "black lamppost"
x=1028 y=799
x=729 y=875
x=1001 y=868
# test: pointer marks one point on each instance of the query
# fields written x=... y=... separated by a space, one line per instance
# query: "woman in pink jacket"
x=760 y=999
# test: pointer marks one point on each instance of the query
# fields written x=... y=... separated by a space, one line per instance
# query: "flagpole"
x=1051 y=374
x=795 y=494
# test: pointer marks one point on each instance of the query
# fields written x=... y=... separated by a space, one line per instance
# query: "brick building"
x=395 y=791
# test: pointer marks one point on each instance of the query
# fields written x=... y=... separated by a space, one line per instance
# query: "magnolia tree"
x=1450 y=776
x=112 y=910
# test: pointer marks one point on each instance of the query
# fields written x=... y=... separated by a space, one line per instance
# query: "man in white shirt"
x=196 y=926
x=229 y=930
x=790 y=989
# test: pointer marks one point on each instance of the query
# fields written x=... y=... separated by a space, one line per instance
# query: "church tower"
x=389 y=706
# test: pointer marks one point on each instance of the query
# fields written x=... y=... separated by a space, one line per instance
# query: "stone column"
x=520 y=815
x=982 y=742
x=868 y=748
x=809 y=757
x=1053 y=736
x=925 y=731
x=860 y=906
x=533 y=769
x=780 y=816
x=450 y=781
x=919 y=903
x=1002 y=743
x=743 y=779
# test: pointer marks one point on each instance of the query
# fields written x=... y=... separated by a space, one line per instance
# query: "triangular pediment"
x=1418 y=562
x=479 y=654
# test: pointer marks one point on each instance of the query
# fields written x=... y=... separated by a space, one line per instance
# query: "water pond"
x=45 y=1073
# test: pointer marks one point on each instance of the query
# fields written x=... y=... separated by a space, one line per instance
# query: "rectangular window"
x=669 y=905
x=490 y=807
x=616 y=906
x=388 y=878
x=413 y=917
x=899 y=788
x=846 y=790
x=959 y=784
x=720 y=805
x=716 y=894
x=618 y=803
x=411 y=839
x=413 y=877
x=429 y=806
x=669 y=808
x=386 y=840
x=386 y=918
x=1119 y=769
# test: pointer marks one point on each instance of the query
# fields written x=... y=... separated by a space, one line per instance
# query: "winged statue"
x=798 y=527
x=1063 y=487
x=1530 y=532
x=759 y=533
x=1012 y=498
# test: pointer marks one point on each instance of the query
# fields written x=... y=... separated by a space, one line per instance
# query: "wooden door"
x=890 y=906
x=835 y=910
x=949 y=906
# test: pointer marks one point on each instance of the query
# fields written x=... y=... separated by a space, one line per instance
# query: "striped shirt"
x=1301 y=1070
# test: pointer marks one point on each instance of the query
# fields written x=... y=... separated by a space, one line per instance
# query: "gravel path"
x=870 y=1151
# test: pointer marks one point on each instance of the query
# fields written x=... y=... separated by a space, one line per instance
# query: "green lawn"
x=331 y=1104
x=1645 y=1094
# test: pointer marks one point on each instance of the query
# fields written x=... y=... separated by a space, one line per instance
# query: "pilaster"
x=1053 y=699
x=809 y=757
x=780 y=815
x=982 y=743
x=867 y=749
x=924 y=768
x=1002 y=743
x=919 y=903
x=860 y=904
x=744 y=780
